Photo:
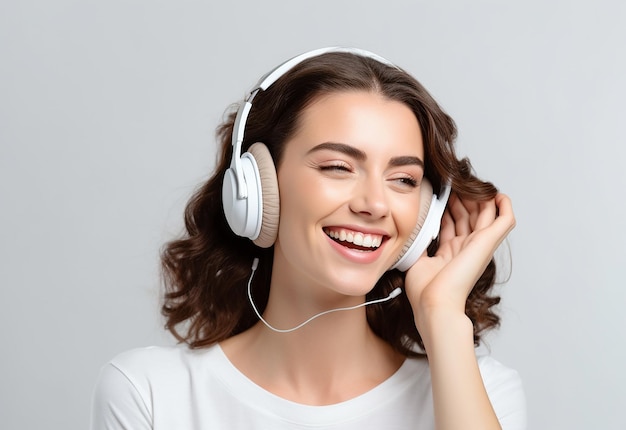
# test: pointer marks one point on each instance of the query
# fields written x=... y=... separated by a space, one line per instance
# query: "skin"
x=355 y=164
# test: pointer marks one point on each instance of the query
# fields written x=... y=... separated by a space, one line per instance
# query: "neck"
x=333 y=358
x=329 y=361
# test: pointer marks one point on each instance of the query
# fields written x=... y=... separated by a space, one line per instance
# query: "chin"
x=355 y=282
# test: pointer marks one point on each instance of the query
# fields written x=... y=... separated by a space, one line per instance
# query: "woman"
x=309 y=319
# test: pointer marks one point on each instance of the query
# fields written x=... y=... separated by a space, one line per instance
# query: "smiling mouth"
x=354 y=239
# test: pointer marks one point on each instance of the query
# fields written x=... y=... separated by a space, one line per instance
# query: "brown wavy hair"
x=205 y=272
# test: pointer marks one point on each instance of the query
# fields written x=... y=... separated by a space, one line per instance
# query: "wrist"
x=440 y=327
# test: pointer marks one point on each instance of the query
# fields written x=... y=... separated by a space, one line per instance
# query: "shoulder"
x=498 y=378
x=506 y=392
x=129 y=385
x=493 y=371
x=157 y=366
x=152 y=358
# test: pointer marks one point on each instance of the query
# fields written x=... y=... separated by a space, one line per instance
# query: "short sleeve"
x=506 y=393
x=116 y=403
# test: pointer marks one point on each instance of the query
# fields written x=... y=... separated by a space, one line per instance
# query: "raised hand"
x=470 y=233
x=437 y=288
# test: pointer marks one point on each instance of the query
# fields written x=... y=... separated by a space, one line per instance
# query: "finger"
x=473 y=209
x=447 y=232
x=486 y=214
x=506 y=217
x=498 y=220
x=461 y=217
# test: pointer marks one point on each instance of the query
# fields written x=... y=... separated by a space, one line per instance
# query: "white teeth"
x=357 y=238
x=367 y=241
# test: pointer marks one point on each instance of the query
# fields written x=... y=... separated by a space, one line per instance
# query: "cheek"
x=292 y=193
x=306 y=193
x=407 y=211
x=297 y=201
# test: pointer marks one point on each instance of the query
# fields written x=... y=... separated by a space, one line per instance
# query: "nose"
x=370 y=198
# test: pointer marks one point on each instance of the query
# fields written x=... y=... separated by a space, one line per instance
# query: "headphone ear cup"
x=427 y=227
x=410 y=253
x=243 y=215
x=270 y=201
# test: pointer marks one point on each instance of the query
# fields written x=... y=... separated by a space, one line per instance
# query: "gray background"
x=107 y=114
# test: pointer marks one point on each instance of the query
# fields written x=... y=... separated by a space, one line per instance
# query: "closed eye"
x=337 y=167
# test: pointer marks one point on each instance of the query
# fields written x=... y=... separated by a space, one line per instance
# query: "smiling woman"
x=347 y=165
x=354 y=184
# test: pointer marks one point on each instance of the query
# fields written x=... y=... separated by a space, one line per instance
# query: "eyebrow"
x=359 y=155
x=340 y=147
x=406 y=160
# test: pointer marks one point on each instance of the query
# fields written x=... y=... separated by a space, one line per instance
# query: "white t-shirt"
x=176 y=388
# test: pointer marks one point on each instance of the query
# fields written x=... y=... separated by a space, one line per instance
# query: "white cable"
x=395 y=293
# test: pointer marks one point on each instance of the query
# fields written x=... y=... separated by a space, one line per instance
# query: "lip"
x=354 y=255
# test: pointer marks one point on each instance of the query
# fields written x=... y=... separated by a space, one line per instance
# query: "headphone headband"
x=264 y=83
x=250 y=194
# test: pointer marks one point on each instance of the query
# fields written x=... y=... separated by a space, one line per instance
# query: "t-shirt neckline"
x=265 y=402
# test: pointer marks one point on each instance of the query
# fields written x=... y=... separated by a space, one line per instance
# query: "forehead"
x=363 y=119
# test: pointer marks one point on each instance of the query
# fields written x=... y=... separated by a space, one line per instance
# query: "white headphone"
x=250 y=187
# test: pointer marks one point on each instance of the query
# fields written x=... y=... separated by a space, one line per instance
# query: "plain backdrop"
x=107 y=119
